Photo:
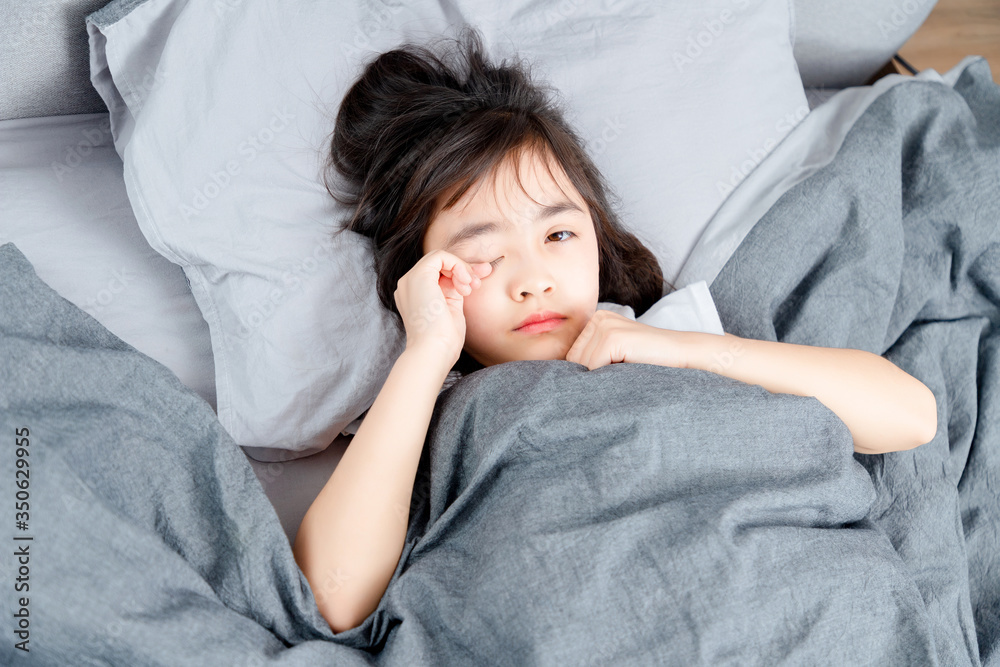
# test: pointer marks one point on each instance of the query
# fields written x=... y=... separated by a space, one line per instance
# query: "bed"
x=185 y=349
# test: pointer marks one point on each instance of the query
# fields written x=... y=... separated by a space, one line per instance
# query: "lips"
x=547 y=319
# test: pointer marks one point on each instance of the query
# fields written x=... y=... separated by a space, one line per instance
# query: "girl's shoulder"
x=690 y=308
x=625 y=311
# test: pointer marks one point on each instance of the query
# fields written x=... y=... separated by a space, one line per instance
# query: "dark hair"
x=417 y=124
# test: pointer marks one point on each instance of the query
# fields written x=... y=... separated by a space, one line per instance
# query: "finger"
x=576 y=349
x=451 y=288
x=457 y=273
x=482 y=269
x=593 y=349
x=458 y=269
x=578 y=352
x=465 y=274
x=472 y=272
x=589 y=354
x=476 y=280
x=448 y=270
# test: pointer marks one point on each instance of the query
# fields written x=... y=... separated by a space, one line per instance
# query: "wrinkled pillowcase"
x=676 y=105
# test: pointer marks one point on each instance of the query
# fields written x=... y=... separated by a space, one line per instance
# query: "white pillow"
x=222 y=113
x=843 y=43
x=811 y=147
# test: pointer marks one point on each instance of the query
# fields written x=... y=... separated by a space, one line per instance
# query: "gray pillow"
x=44 y=59
x=44 y=63
x=301 y=344
x=841 y=44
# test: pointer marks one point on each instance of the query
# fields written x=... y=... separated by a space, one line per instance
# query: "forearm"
x=885 y=408
x=351 y=538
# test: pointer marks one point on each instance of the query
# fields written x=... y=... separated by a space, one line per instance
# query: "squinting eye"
x=493 y=264
x=564 y=231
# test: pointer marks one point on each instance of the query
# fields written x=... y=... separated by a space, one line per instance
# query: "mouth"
x=541 y=323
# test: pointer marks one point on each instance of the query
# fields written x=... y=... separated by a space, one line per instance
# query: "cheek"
x=477 y=313
x=589 y=271
x=485 y=322
x=595 y=269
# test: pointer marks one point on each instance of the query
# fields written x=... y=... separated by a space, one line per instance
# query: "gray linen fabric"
x=634 y=514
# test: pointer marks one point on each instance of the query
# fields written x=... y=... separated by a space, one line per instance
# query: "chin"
x=546 y=348
x=553 y=351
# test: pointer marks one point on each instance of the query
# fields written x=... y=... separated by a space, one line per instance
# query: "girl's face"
x=544 y=259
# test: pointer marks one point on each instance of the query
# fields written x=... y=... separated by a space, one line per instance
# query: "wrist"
x=427 y=360
x=711 y=352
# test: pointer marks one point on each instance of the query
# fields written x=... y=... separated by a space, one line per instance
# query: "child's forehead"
x=527 y=180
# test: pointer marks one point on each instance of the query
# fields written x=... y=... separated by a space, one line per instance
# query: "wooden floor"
x=955 y=29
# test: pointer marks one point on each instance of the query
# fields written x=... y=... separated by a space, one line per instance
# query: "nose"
x=534 y=278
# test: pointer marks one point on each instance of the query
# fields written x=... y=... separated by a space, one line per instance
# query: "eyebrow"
x=542 y=214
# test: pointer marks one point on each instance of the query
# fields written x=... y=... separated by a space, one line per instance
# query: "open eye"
x=564 y=231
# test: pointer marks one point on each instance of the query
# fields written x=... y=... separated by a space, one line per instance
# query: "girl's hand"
x=610 y=338
x=430 y=297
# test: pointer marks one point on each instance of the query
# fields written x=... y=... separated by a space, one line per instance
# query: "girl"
x=494 y=238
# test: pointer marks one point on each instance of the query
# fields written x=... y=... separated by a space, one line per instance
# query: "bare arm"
x=352 y=536
x=885 y=408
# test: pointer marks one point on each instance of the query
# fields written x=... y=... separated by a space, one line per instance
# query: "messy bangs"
x=474 y=169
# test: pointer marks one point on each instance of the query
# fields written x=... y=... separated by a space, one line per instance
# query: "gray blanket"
x=630 y=515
